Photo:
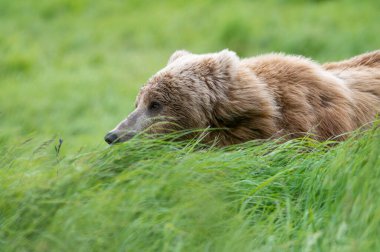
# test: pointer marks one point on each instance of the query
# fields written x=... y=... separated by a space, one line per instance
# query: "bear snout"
x=111 y=138
x=117 y=137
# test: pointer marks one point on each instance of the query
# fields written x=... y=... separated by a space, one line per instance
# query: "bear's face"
x=181 y=96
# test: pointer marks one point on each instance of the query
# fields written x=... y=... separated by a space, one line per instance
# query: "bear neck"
x=246 y=110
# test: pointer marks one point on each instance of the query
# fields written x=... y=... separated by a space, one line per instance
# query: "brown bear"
x=267 y=96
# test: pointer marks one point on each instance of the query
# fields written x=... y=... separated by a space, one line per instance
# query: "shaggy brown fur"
x=272 y=95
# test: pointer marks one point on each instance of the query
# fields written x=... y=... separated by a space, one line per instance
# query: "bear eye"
x=154 y=105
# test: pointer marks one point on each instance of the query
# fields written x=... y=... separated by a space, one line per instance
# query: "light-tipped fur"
x=273 y=95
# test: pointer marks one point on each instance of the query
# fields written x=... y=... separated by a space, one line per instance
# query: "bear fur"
x=268 y=96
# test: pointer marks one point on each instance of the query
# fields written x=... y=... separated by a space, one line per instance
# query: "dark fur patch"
x=326 y=100
x=232 y=122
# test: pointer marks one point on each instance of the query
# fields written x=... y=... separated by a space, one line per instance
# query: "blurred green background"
x=72 y=68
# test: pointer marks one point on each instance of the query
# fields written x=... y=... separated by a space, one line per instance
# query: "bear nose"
x=111 y=138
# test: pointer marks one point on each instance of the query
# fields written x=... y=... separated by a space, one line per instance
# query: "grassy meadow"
x=70 y=70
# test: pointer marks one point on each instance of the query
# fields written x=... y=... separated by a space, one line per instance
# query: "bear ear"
x=178 y=54
x=226 y=62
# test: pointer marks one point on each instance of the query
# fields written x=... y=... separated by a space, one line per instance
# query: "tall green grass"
x=153 y=194
x=71 y=69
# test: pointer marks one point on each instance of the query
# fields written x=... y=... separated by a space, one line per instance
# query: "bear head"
x=183 y=95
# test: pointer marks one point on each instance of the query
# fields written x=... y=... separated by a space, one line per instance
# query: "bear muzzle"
x=118 y=137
